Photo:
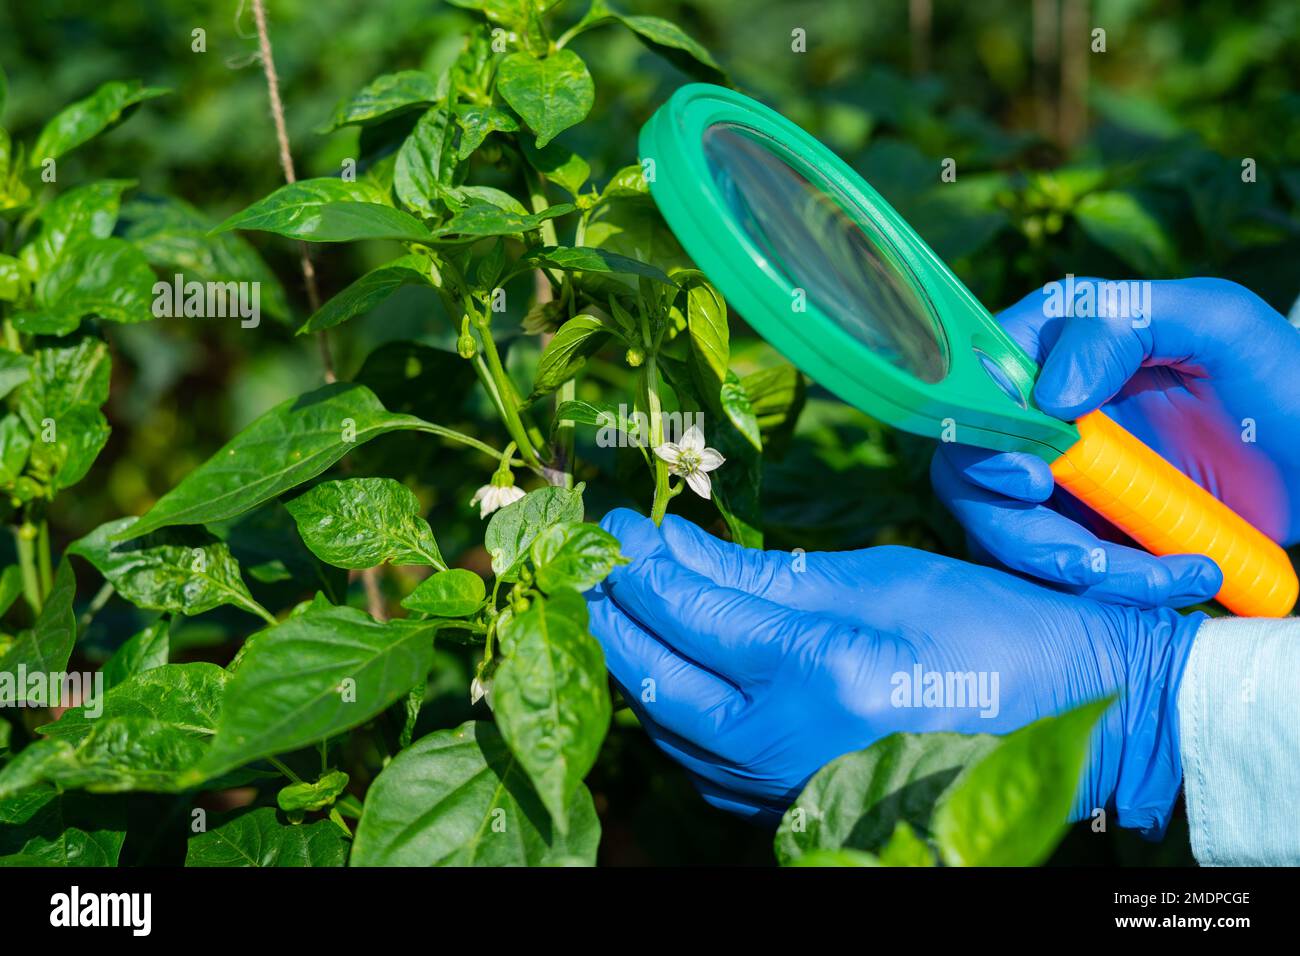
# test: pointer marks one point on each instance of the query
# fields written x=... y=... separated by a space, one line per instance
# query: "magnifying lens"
x=828 y=273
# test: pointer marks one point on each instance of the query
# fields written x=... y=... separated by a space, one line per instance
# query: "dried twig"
x=370 y=576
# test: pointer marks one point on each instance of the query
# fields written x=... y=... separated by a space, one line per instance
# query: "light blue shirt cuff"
x=1239 y=735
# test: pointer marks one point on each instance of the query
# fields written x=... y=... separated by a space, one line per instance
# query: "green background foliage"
x=1140 y=177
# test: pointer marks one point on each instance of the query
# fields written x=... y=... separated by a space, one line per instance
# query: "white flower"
x=691 y=460
x=493 y=496
x=479 y=689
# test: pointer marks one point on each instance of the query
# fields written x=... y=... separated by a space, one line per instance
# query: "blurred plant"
x=458 y=167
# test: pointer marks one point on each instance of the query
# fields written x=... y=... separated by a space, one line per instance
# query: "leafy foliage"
x=973 y=800
x=500 y=288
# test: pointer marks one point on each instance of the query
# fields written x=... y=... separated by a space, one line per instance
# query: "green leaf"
x=84 y=212
x=551 y=94
x=106 y=277
x=628 y=183
x=426 y=161
x=177 y=570
x=663 y=37
x=460 y=197
x=176 y=237
x=566 y=353
x=141 y=652
x=476 y=122
x=739 y=410
x=599 y=414
x=259 y=837
x=86 y=119
x=11 y=585
x=551 y=697
x=485 y=219
x=78 y=437
x=1118 y=222
x=776 y=397
x=453 y=593
x=706 y=319
x=350 y=221
x=328 y=210
x=460 y=798
x=363 y=522
x=368 y=291
x=313 y=676
x=587 y=259
x=675 y=45
x=637 y=231
x=46 y=647
x=43 y=827
x=70 y=375
x=14 y=193
x=510 y=531
x=574 y=555
x=294 y=442
x=15 y=445
x=1011 y=808
x=15 y=369
x=836 y=858
x=856 y=800
x=905 y=848
x=385 y=97
x=559 y=164
x=11 y=279
x=152 y=727
x=509 y=12
x=310 y=797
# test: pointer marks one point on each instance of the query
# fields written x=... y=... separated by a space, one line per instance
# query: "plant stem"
x=374 y=595
x=286 y=164
x=43 y=556
x=263 y=613
x=565 y=432
x=650 y=381
x=27 y=561
x=96 y=605
x=452 y=435
x=507 y=400
x=284 y=769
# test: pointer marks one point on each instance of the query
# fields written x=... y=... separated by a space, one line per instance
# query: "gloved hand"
x=1214 y=367
x=753 y=669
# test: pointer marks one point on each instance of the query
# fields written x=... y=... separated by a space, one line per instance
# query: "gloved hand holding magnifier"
x=825 y=270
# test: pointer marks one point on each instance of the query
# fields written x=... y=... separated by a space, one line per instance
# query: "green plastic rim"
x=986 y=391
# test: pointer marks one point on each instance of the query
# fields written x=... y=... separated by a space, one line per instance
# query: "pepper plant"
x=317 y=711
x=464 y=170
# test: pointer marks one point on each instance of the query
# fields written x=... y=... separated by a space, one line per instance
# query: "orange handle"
x=1139 y=492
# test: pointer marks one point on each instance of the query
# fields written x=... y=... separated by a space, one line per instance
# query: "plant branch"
x=286 y=164
x=370 y=576
x=650 y=381
x=23 y=541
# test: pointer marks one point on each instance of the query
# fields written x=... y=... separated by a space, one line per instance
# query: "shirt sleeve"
x=1239 y=736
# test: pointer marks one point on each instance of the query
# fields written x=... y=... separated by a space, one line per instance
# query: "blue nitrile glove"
x=753 y=669
x=1214 y=369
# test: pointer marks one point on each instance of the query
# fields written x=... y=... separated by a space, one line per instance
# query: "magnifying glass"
x=828 y=273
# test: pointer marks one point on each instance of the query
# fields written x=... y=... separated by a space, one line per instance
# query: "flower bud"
x=634 y=357
x=465 y=346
